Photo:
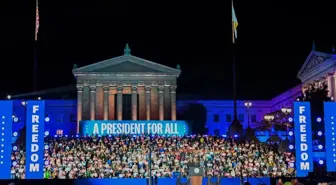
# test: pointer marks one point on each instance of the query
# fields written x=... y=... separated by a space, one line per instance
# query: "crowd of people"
x=128 y=157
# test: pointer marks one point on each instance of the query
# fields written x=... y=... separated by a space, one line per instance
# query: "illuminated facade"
x=126 y=88
x=131 y=88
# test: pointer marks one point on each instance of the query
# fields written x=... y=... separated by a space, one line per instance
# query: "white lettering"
x=304 y=166
x=35 y=108
x=34 y=158
x=302 y=139
x=302 y=109
x=34 y=147
x=34 y=167
x=95 y=129
x=35 y=119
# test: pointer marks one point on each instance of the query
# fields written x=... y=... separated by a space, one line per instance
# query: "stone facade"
x=101 y=87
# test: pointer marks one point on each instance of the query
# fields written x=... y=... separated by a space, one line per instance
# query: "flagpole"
x=35 y=47
x=234 y=77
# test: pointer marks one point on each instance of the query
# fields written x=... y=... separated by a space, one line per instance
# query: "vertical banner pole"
x=303 y=139
x=6 y=120
x=35 y=139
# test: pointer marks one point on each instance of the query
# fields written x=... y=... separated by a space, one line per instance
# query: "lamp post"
x=286 y=111
x=248 y=104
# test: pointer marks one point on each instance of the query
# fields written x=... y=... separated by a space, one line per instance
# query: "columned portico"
x=131 y=86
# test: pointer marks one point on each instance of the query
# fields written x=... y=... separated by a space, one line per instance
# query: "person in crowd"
x=128 y=157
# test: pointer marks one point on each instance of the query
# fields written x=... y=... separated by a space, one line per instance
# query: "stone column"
x=173 y=102
x=329 y=84
x=161 y=107
x=119 y=102
x=106 y=102
x=148 y=102
x=333 y=87
x=92 y=102
x=79 y=105
x=134 y=102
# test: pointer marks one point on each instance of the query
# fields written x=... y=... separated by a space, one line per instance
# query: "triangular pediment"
x=127 y=67
x=126 y=64
x=313 y=61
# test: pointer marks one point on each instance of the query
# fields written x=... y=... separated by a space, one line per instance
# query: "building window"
x=228 y=118
x=59 y=118
x=59 y=132
x=253 y=118
x=73 y=118
x=241 y=117
x=216 y=118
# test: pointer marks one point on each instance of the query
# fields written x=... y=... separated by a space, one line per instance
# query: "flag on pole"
x=37 y=21
x=234 y=25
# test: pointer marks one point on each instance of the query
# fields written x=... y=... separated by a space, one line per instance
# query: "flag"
x=37 y=21
x=234 y=25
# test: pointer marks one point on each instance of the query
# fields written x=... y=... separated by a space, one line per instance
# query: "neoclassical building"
x=126 y=88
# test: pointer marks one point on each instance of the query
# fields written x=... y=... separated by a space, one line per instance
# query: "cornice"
x=126 y=58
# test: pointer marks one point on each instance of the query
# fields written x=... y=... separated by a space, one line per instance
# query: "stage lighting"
x=14 y=163
x=236 y=135
x=291 y=147
x=23 y=103
x=290 y=133
x=15 y=148
x=9 y=97
x=47 y=119
x=320 y=147
x=290 y=119
x=319 y=133
x=318 y=119
x=224 y=135
x=15 y=134
x=46 y=133
x=321 y=162
x=39 y=98
x=46 y=147
x=291 y=164
x=15 y=119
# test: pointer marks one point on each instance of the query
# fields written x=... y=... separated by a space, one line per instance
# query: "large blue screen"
x=166 y=128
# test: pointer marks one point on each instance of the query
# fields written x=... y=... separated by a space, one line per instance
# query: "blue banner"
x=6 y=113
x=303 y=138
x=35 y=139
x=330 y=128
x=113 y=127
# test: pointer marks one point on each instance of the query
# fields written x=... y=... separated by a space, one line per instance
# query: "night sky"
x=274 y=39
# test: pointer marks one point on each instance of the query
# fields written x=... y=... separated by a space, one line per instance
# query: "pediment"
x=127 y=67
x=126 y=64
x=313 y=61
